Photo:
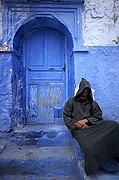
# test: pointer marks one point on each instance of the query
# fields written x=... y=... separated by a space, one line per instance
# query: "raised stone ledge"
x=5 y=47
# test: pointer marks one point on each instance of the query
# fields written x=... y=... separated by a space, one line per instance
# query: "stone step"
x=100 y=175
x=45 y=162
x=48 y=139
x=35 y=177
x=43 y=136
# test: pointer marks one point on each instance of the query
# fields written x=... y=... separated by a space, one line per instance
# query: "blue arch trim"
x=39 y=22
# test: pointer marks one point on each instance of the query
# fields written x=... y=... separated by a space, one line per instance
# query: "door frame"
x=19 y=94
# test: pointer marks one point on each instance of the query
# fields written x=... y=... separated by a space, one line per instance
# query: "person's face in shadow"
x=85 y=94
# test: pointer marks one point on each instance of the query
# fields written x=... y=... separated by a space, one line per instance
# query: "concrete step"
x=47 y=162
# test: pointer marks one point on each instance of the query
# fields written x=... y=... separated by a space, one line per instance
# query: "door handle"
x=29 y=68
x=51 y=69
x=64 y=68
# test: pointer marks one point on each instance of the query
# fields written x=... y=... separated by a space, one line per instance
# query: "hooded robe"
x=99 y=141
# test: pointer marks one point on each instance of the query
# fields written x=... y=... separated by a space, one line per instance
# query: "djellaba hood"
x=84 y=84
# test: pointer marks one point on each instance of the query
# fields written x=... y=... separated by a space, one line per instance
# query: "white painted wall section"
x=101 y=22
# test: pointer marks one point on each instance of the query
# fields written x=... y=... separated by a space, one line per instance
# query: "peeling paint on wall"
x=1 y=30
x=101 y=22
x=4 y=47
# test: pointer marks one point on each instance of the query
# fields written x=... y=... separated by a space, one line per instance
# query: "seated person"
x=98 y=138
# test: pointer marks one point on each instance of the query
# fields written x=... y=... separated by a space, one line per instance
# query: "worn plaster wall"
x=101 y=22
x=1 y=9
x=98 y=63
x=5 y=83
x=5 y=92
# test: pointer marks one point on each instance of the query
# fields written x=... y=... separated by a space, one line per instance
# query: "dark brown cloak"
x=100 y=141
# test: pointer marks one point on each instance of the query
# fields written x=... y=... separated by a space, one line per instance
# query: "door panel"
x=36 y=44
x=44 y=60
x=37 y=76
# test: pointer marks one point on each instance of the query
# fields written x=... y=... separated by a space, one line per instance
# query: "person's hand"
x=82 y=123
x=84 y=126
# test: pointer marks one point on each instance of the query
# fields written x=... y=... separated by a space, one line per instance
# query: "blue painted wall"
x=99 y=64
x=5 y=91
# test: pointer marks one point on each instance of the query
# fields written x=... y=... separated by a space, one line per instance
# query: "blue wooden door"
x=44 y=63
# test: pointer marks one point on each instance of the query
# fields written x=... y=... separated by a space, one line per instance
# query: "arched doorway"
x=42 y=72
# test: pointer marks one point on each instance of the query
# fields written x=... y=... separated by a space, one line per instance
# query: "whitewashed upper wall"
x=101 y=22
